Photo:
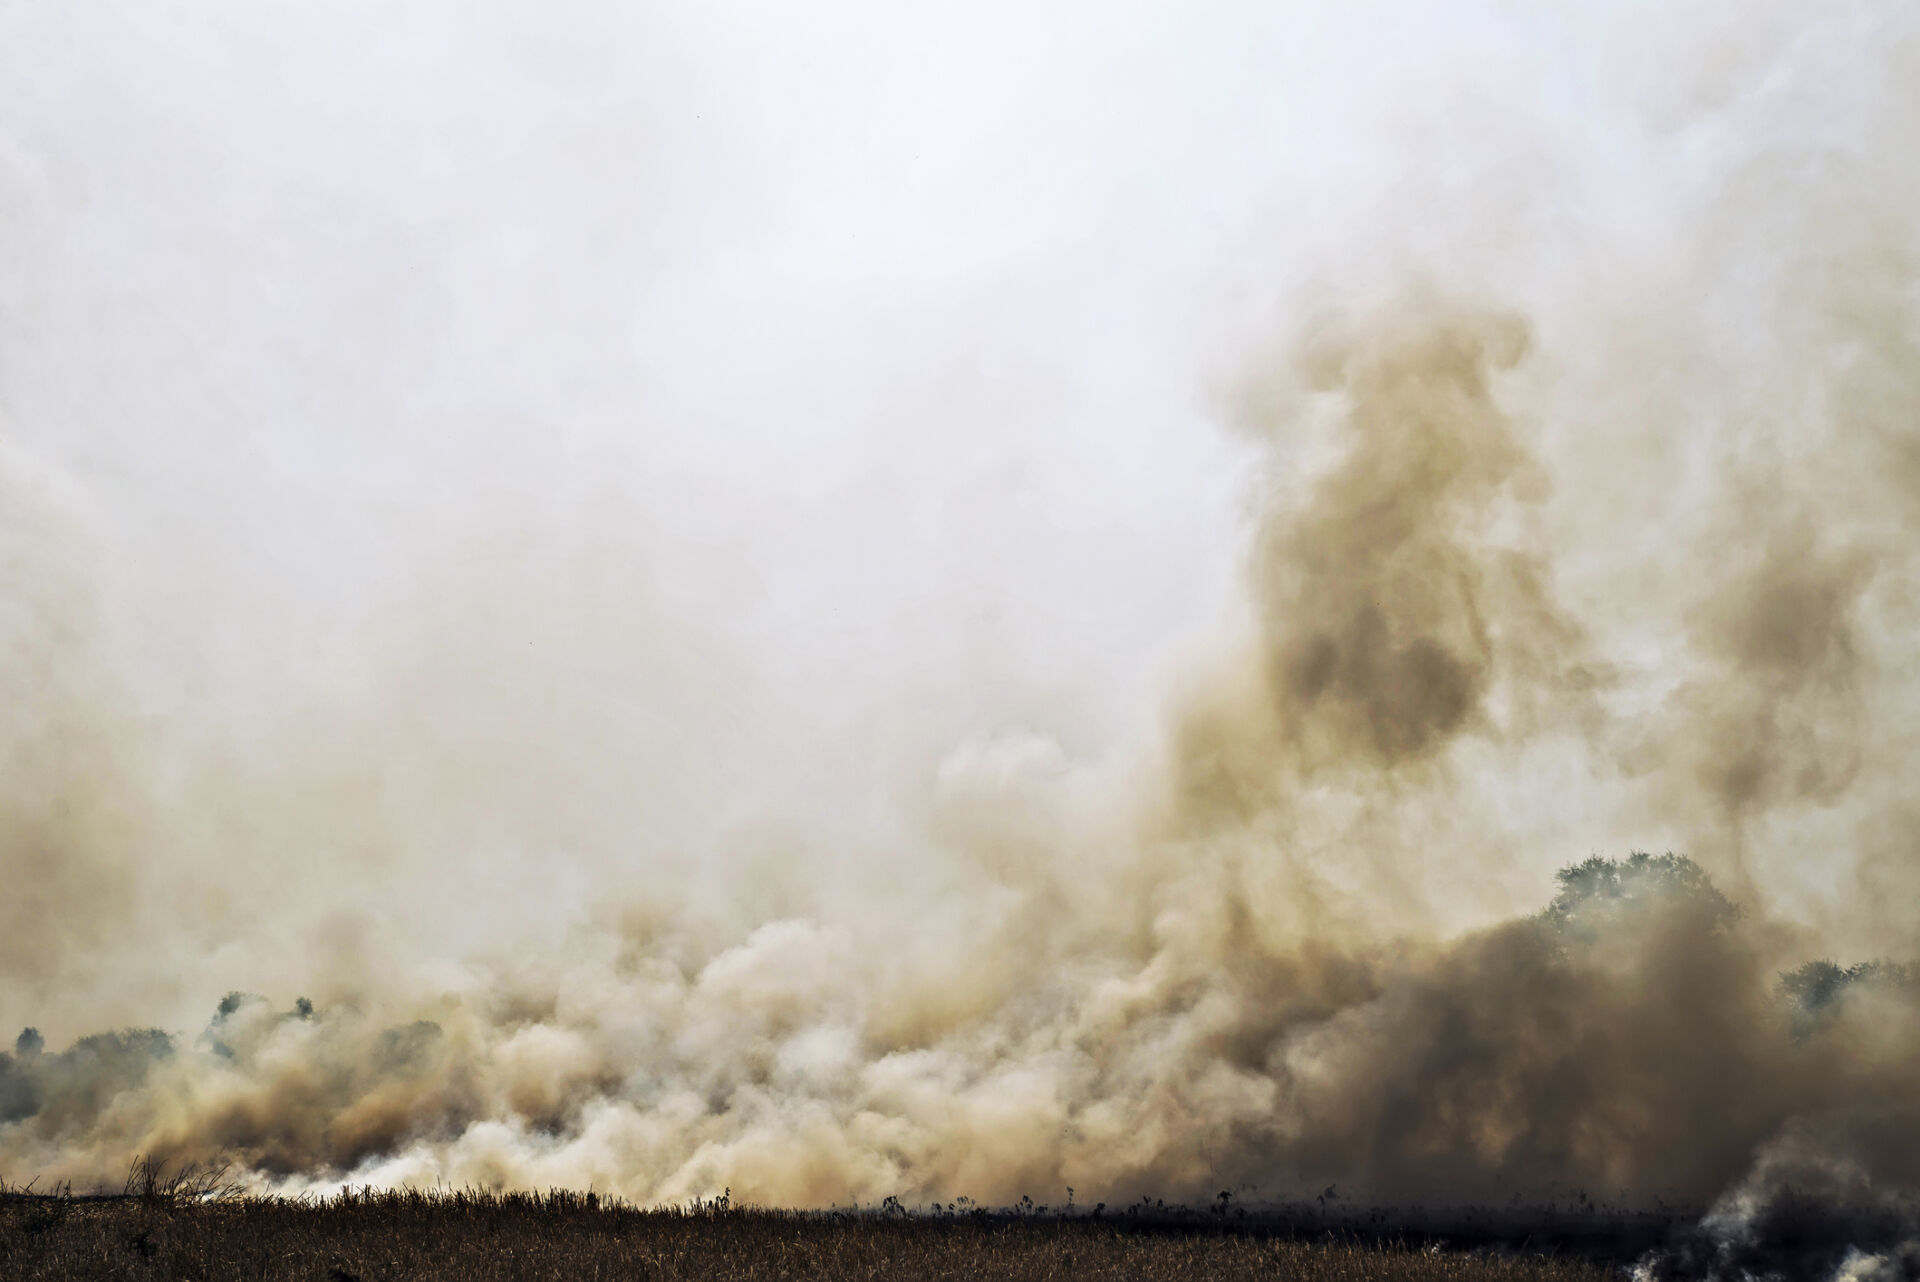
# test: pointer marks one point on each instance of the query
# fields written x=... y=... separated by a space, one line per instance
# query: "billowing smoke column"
x=1200 y=999
x=1628 y=553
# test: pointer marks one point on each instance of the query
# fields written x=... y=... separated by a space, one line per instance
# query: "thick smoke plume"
x=587 y=867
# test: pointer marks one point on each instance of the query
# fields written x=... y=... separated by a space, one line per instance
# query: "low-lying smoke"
x=1205 y=1001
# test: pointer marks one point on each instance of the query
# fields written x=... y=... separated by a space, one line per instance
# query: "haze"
x=957 y=599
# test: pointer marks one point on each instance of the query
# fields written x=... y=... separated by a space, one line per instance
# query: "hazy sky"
x=863 y=311
x=886 y=353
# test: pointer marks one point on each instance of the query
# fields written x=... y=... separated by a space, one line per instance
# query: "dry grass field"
x=467 y=1237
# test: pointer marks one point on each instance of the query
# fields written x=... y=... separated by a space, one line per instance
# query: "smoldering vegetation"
x=1597 y=558
x=560 y=1235
x=192 y=1222
x=1625 y=974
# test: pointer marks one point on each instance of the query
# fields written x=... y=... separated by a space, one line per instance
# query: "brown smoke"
x=1510 y=571
x=1225 y=999
x=68 y=789
x=1389 y=615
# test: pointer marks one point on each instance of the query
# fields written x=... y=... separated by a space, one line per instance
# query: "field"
x=481 y=1237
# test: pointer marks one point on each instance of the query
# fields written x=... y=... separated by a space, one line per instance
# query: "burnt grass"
x=475 y=1235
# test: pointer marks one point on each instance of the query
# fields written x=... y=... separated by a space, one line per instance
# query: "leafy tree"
x=1599 y=890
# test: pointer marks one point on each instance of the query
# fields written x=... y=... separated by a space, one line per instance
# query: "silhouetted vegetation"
x=1817 y=985
x=475 y=1236
x=1596 y=890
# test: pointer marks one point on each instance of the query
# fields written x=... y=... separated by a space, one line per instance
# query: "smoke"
x=672 y=743
x=68 y=806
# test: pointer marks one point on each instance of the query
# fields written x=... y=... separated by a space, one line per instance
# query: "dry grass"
x=478 y=1237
